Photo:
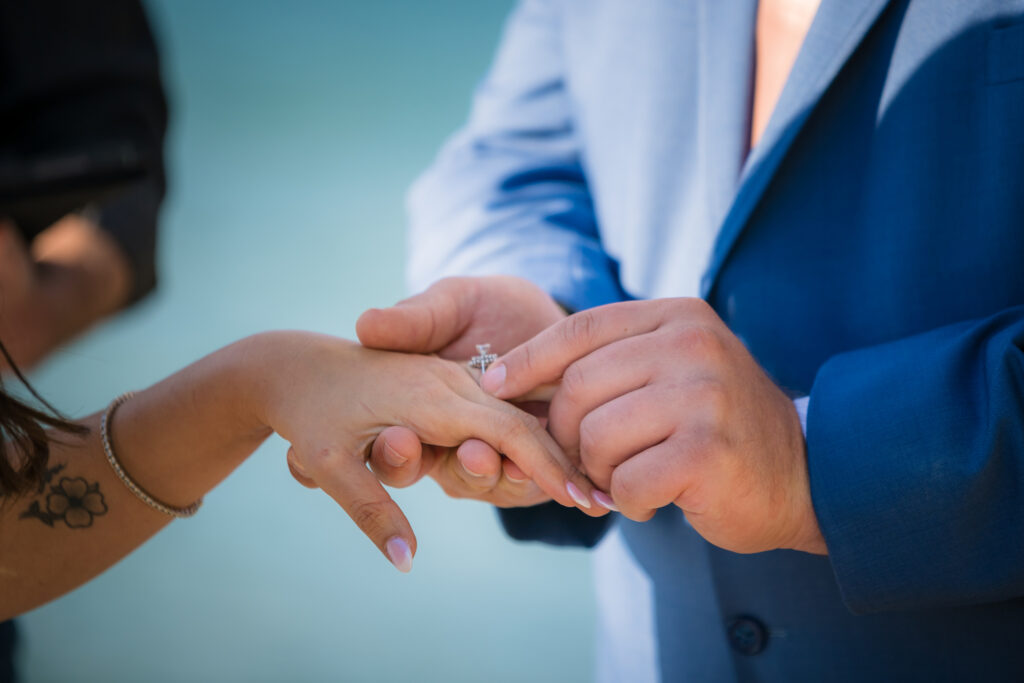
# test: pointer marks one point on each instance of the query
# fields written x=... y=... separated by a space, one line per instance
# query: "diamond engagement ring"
x=484 y=359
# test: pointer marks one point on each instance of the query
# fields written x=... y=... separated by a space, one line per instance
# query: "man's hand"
x=472 y=470
x=449 y=319
x=665 y=405
x=73 y=276
x=455 y=314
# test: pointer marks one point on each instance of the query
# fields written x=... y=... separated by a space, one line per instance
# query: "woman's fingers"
x=361 y=495
x=520 y=437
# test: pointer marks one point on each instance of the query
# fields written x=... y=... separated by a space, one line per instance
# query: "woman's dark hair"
x=25 y=444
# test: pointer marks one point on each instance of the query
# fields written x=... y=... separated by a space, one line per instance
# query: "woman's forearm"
x=177 y=439
x=329 y=398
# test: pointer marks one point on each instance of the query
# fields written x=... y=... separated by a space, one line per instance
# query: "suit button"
x=747 y=635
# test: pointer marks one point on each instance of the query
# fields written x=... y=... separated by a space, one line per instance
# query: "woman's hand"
x=331 y=398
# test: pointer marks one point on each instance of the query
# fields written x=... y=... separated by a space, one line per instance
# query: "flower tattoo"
x=73 y=501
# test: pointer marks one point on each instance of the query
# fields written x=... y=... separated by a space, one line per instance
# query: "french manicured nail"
x=577 y=495
x=605 y=501
x=392 y=457
x=494 y=379
x=399 y=554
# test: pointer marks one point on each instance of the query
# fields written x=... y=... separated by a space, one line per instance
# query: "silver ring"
x=484 y=359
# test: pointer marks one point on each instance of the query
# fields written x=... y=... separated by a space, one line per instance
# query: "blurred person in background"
x=82 y=123
x=791 y=231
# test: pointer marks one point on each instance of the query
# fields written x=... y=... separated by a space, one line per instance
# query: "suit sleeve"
x=77 y=75
x=916 y=461
x=508 y=195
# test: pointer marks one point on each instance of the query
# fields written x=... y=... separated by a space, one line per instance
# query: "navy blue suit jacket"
x=870 y=253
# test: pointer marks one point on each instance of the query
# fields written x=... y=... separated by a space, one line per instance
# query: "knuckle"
x=516 y=428
x=529 y=422
x=626 y=491
x=450 y=373
x=371 y=516
x=527 y=358
x=591 y=439
x=698 y=306
x=318 y=460
x=700 y=340
x=691 y=308
x=712 y=398
x=574 y=383
x=699 y=442
x=581 y=328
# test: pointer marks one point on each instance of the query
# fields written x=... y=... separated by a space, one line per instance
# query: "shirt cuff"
x=801 y=410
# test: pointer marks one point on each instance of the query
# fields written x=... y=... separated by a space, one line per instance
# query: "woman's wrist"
x=272 y=367
x=181 y=436
x=255 y=369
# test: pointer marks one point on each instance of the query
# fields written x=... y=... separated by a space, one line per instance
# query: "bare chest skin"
x=781 y=28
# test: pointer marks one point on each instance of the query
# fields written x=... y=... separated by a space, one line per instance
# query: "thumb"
x=425 y=323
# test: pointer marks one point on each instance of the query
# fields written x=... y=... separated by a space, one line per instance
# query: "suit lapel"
x=837 y=30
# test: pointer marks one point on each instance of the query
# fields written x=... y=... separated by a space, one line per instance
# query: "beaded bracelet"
x=139 y=492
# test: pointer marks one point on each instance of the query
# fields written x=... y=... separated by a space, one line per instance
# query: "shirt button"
x=747 y=635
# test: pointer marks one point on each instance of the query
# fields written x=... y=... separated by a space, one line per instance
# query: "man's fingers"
x=479 y=459
x=544 y=358
x=478 y=479
x=424 y=323
x=398 y=458
x=512 y=472
x=614 y=432
x=361 y=495
x=650 y=480
x=602 y=376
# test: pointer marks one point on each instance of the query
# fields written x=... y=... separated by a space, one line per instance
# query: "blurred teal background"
x=297 y=127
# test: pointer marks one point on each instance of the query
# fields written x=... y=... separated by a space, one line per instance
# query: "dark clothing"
x=78 y=77
x=75 y=78
x=8 y=639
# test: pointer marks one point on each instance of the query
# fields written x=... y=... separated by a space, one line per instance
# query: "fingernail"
x=605 y=501
x=392 y=457
x=472 y=473
x=515 y=480
x=577 y=495
x=399 y=554
x=494 y=379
